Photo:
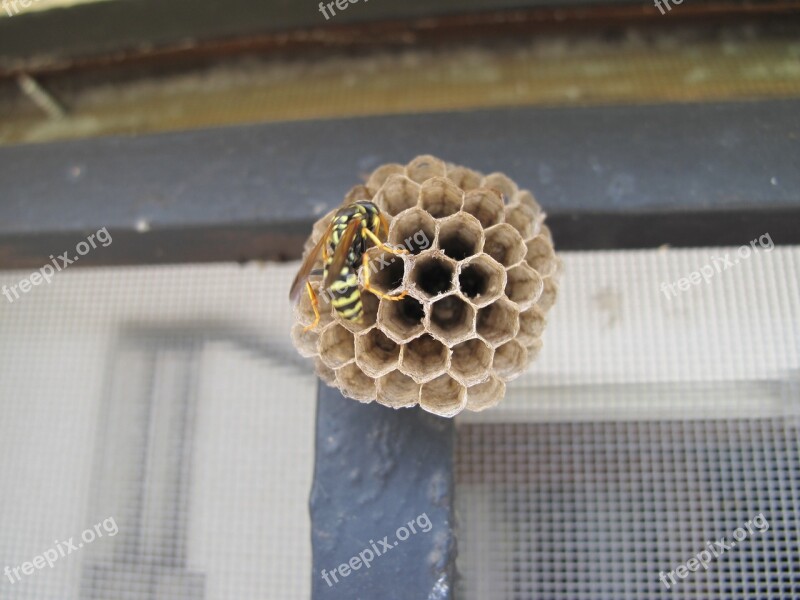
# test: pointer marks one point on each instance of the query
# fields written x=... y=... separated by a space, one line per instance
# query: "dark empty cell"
x=458 y=245
x=409 y=310
x=433 y=276
x=473 y=280
x=481 y=280
x=386 y=271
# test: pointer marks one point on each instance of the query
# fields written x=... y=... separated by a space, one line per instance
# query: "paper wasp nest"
x=481 y=276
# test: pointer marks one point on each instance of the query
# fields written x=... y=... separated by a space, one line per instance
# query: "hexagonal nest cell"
x=433 y=275
x=463 y=308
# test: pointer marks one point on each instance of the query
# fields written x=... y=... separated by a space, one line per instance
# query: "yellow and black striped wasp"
x=343 y=247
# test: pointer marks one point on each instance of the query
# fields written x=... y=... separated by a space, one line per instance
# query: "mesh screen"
x=169 y=400
x=601 y=510
x=651 y=425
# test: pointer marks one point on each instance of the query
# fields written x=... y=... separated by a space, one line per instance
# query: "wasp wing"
x=308 y=264
x=342 y=251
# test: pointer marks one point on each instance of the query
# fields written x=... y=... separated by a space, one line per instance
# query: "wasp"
x=343 y=248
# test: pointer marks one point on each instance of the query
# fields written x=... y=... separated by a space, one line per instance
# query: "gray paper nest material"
x=481 y=276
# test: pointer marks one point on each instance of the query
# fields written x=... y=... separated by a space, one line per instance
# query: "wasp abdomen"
x=346 y=295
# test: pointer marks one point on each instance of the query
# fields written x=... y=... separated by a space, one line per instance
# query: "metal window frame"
x=102 y=34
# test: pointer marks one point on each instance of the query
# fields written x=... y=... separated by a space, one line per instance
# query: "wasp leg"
x=315 y=305
x=369 y=288
x=381 y=245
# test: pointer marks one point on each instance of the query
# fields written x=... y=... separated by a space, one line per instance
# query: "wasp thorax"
x=455 y=315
